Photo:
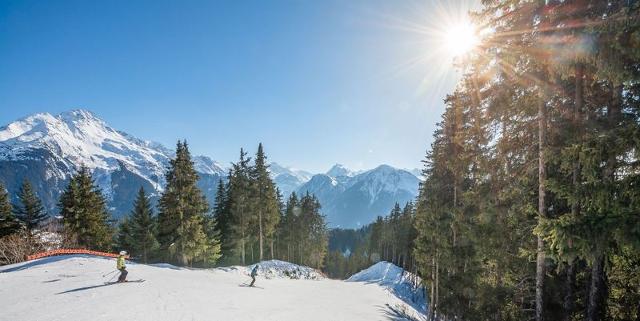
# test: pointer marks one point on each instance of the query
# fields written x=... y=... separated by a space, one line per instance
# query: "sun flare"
x=440 y=38
x=461 y=38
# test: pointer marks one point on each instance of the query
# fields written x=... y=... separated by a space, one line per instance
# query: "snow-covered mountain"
x=350 y=200
x=339 y=170
x=288 y=179
x=47 y=149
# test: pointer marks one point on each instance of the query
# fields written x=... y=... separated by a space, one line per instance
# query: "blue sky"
x=318 y=82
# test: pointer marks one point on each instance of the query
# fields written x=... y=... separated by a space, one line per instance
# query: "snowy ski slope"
x=73 y=288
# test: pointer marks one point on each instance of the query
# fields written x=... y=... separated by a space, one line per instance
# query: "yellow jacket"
x=120 y=263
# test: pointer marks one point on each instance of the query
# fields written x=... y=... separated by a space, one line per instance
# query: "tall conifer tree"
x=239 y=210
x=264 y=202
x=214 y=247
x=287 y=228
x=124 y=236
x=312 y=229
x=143 y=227
x=29 y=212
x=182 y=208
x=84 y=212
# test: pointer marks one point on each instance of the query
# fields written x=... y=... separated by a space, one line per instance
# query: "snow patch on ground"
x=397 y=281
x=50 y=240
x=281 y=269
x=275 y=269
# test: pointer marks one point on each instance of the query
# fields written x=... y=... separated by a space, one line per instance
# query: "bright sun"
x=461 y=38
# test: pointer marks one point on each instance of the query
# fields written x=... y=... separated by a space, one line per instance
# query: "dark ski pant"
x=123 y=275
x=253 y=280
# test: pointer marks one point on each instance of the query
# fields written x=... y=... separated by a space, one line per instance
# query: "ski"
x=132 y=281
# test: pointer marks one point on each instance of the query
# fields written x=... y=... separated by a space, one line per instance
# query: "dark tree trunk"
x=597 y=291
x=260 y=241
x=542 y=210
x=435 y=305
x=569 y=295
x=272 y=251
x=432 y=295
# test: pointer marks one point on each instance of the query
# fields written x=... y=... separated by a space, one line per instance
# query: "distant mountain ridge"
x=340 y=170
x=350 y=199
x=46 y=149
x=288 y=179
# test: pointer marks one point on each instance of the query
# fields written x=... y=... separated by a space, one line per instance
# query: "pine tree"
x=30 y=212
x=393 y=234
x=406 y=236
x=84 y=212
x=220 y=210
x=287 y=229
x=124 y=236
x=264 y=202
x=8 y=222
x=194 y=242
x=182 y=208
x=376 y=240
x=213 y=251
x=313 y=240
x=143 y=227
x=277 y=241
x=238 y=197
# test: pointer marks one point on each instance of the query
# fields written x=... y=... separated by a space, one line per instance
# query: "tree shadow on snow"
x=397 y=313
x=84 y=288
x=168 y=266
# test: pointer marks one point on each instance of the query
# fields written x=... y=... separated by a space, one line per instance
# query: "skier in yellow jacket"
x=120 y=265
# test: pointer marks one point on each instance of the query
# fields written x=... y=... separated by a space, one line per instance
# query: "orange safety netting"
x=69 y=251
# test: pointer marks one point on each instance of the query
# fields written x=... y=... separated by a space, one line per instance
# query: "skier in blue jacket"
x=254 y=272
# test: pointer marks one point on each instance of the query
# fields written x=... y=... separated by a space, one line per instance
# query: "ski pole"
x=111 y=279
x=109 y=273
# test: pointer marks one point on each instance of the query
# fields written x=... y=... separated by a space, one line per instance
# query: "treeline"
x=183 y=232
x=248 y=223
x=255 y=224
x=388 y=239
x=529 y=210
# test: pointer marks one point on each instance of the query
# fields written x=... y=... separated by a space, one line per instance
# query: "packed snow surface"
x=73 y=288
x=396 y=280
